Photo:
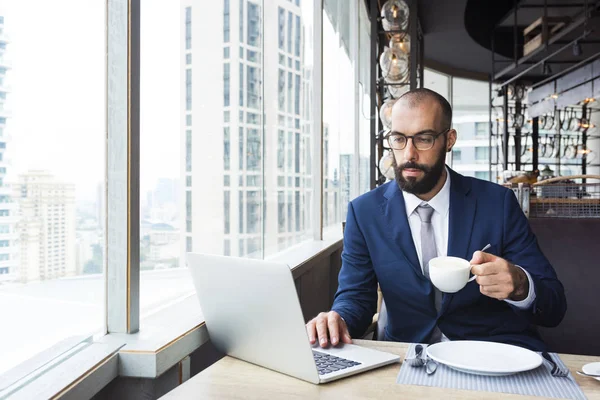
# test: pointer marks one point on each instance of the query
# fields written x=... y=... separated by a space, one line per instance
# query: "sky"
x=57 y=97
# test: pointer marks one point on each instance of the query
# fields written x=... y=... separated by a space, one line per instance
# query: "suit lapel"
x=462 y=215
x=394 y=211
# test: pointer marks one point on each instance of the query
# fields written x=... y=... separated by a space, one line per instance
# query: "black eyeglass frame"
x=433 y=135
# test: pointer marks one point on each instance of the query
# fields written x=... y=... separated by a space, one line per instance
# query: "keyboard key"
x=327 y=363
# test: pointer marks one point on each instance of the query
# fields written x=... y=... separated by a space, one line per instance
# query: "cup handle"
x=472 y=278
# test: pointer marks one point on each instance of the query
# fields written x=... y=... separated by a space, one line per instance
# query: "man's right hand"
x=328 y=326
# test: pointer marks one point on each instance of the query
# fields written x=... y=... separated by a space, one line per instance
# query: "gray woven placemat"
x=537 y=382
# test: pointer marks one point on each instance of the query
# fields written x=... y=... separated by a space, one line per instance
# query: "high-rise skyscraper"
x=46 y=227
x=8 y=238
x=246 y=138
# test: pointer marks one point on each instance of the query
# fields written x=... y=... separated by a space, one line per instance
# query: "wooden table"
x=230 y=378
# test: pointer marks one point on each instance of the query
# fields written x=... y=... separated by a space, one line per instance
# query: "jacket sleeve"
x=521 y=248
x=356 y=297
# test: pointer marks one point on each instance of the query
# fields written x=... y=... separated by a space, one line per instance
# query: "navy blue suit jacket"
x=378 y=247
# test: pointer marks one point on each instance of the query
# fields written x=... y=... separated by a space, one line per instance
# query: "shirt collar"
x=440 y=202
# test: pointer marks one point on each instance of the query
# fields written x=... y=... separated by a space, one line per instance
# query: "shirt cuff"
x=525 y=304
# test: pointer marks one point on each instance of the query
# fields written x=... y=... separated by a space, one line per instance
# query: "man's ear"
x=451 y=140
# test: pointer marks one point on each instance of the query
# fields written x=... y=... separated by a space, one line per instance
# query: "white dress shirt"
x=439 y=219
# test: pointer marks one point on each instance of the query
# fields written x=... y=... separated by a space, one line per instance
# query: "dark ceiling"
x=458 y=36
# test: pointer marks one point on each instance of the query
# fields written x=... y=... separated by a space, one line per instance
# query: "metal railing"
x=561 y=197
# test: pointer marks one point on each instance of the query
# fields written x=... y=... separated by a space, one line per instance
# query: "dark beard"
x=430 y=178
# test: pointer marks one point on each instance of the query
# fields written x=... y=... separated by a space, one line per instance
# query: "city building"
x=223 y=212
x=46 y=227
x=470 y=155
x=8 y=238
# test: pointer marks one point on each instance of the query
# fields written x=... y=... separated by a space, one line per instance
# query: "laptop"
x=252 y=313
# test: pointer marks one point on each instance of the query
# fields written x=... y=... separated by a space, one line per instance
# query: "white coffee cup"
x=449 y=274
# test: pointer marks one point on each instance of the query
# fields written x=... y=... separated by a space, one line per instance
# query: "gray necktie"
x=429 y=251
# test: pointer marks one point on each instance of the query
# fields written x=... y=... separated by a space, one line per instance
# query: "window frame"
x=121 y=341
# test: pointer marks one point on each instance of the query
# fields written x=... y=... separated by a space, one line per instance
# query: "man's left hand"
x=499 y=279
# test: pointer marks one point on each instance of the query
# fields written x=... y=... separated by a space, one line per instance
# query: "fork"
x=556 y=370
x=419 y=361
x=416 y=360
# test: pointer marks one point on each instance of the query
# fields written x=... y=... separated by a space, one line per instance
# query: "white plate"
x=484 y=358
x=592 y=368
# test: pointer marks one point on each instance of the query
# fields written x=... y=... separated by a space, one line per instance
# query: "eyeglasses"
x=421 y=141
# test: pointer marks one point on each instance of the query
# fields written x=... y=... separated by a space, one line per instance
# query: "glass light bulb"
x=397 y=88
x=400 y=43
x=386 y=165
x=394 y=15
x=394 y=64
x=385 y=113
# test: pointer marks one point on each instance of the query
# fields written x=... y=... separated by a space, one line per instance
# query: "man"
x=429 y=210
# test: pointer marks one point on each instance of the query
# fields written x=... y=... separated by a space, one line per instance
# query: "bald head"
x=418 y=97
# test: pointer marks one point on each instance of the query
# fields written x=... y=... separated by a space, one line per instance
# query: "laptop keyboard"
x=327 y=363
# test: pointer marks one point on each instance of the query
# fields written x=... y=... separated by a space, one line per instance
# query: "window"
x=188 y=211
x=241 y=21
x=253 y=180
x=470 y=106
x=338 y=140
x=482 y=175
x=281 y=150
x=226 y=84
x=297 y=98
x=481 y=129
x=290 y=26
x=281 y=24
x=226 y=23
x=226 y=210
x=253 y=150
x=45 y=236
x=253 y=24
x=290 y=93
x=297 y=38
x=482 y=154
x=281 y=90
x=188 y=151
x=241 y=217
x=297 y=160
x=254 y=89
x=253 y=118
x=241 y=85
x=188 y=89
x=179 y=217
x=227 y=247
x=297 y=209
x=456 y=154
x=253 y=214
x=241 y=153
x=188 y=28
x=281 y=212
x=226 y=149
x=437 y=82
